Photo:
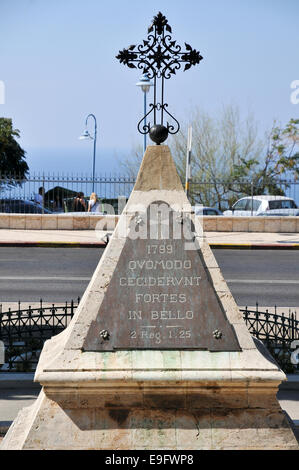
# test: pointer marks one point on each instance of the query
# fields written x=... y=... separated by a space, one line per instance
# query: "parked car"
x=256 y=205
x=20 y=206
x=205 y=210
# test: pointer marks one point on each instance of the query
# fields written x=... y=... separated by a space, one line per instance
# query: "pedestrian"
x=79 y=203
x=94 y=203
x=39 y=197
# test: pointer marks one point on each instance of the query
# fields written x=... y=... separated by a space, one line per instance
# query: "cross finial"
x=159 y=56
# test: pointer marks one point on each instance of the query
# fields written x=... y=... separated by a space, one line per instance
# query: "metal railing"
x=19 y=195
x=24 y=331
x=277 y=332
x=222 y=194
x=58 y=191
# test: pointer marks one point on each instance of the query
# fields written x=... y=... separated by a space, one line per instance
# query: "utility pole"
x=188 y=162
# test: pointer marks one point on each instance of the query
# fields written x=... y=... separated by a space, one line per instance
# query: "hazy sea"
x=78 y=161
x=74 y=160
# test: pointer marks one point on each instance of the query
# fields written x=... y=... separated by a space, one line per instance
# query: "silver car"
x=255 y=205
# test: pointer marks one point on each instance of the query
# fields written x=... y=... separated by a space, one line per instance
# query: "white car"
x=255 y=205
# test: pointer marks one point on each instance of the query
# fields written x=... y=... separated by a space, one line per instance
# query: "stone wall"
x=107 y=222
x=57 y=222
x=251 y=224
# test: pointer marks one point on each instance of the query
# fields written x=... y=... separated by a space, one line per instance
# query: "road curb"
x=54 y=244
x=255 y=246
x=99 y=244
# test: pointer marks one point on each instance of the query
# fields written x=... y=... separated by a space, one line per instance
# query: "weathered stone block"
x=155 y=428
x=230 y=307
x=163 y=398
x=201 y=360
x=17 y=221
x=240 y=224
x=224 y=224
x=210 y=223
x=262 y=397
x=33 y=222
x=113 y=429
x=49 y=222
x=94 y=220
x=288 y=224
x=65 y=222
x=194 y=429
x=81 y=223
x=272 y=224
x=256 y=224
x=4 y=220
x=245 y=429
x=217 y=397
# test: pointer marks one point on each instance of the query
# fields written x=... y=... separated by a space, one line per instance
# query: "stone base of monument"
x=166 y=408
x=179 y=371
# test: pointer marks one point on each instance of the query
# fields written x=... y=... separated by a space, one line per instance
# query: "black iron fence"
x=56 y=193
x=279 y=333
x=222 y=194
x=40 y=193
x=24 y=331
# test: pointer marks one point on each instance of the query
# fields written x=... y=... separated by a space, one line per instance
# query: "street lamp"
x=145 y=84
x=86 y=135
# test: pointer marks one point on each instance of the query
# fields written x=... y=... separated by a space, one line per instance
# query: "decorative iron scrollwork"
x=159 y=56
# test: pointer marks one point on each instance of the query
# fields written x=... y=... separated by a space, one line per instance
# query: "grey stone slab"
x=161 y=295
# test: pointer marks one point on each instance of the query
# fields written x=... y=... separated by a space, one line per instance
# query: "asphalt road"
x=53 y=274
x=269 y=277
x=59 y=274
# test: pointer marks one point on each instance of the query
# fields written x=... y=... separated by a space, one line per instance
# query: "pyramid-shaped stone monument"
x=157 y=355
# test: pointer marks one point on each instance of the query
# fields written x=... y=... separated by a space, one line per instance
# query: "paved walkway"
x=253 y=238
x=91 y=237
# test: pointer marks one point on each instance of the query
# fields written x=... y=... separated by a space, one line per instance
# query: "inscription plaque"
x=160 y=295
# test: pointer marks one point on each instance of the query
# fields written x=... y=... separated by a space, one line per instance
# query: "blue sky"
x=58 y=64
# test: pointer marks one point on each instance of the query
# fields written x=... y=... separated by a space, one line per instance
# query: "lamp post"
x=145 y=84
x=86 y=135
x=188 y=162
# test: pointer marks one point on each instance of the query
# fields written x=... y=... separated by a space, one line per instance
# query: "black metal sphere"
x=158 y=133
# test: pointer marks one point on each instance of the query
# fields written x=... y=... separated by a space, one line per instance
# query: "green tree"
x=229 y=157
x=218 y=145
x=279 y=162
x=13 y=167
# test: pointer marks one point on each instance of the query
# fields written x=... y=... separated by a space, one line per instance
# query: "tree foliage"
x=218 y=144
x=279 y=162
x=230 y=159
x=13 y=166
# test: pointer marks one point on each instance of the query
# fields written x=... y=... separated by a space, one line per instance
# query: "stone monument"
x=157 y=355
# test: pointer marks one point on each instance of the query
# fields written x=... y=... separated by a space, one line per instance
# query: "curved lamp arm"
x=95 y=125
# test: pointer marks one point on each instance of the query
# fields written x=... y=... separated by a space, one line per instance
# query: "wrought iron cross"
x=160 y=57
